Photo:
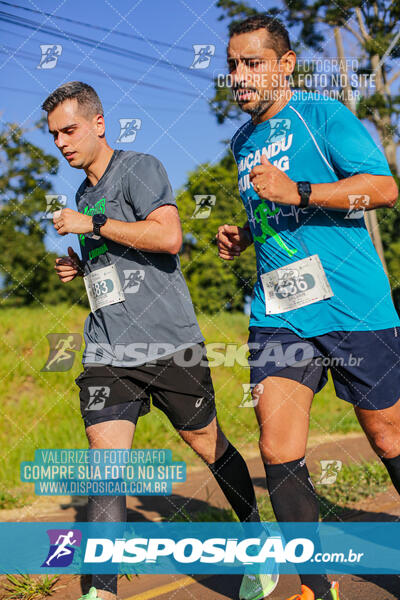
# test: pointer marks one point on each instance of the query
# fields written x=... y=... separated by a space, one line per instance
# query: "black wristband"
x=304 y=189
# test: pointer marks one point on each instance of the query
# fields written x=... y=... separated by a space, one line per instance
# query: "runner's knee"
x=273 y=451
x=208 y=442
x=110 y=434
x=385 y=440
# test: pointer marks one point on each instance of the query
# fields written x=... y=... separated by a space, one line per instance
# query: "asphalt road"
x=199 y=492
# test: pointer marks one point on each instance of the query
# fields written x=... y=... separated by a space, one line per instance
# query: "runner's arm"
x=374 y=191
x=159 y=232
x=273 y=184
x=360 y=165
x=350 y=153
x=157 y=226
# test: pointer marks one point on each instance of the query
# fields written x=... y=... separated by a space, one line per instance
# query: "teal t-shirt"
x=317 y=140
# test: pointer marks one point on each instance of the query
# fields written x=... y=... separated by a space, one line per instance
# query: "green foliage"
x=240 y=10
x=222 y=104
x=355 y=482
x=25 y=587
x=26 y=266
x=380 y=23
x=9 y=500
x=389 y=225
x=214 y=284
x=380 y=20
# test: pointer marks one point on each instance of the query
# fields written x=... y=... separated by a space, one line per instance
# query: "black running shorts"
x=181 y=389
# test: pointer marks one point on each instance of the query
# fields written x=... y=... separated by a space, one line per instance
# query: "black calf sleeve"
x=291 y=491
x=111 y=509
x=293 y=499
x=233 y=477
x=393 y=468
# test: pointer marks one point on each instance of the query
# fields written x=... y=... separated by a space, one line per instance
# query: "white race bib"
x=103 y=287
x=298 y=284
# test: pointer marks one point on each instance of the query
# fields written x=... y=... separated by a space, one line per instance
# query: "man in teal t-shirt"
x=322 y=142
x=307 y=171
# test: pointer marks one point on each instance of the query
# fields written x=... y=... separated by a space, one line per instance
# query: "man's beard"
x=260 y=108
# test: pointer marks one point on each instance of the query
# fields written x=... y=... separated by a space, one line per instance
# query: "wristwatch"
x=98 y=221
x=304 y=189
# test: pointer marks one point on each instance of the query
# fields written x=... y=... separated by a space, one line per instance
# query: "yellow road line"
x=168 y=587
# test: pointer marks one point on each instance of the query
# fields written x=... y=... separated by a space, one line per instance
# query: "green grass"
x=41 y=410
x=25 y=587
x=11 y=500
x=354 y=483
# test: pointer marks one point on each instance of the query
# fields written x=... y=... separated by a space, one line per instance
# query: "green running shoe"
x=335 y=590
x=92 y=595
x=256 y=587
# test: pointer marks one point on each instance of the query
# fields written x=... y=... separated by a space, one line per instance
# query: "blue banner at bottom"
x=222 y=548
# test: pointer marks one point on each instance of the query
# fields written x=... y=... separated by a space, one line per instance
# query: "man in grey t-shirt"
x=132 y=187
x=130 y=234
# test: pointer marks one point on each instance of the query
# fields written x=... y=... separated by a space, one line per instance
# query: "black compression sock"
x=393 y=468
x=291 y=491
x=293 y=499
x=233 y=477
x=111 y=509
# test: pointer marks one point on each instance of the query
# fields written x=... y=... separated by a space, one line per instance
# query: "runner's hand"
x=67 y=220
x=232 y=240
x=270 y=183
x=68 y=267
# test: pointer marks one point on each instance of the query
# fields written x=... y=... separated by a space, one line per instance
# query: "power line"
x=100 y=28
x=65 y=64
x=110 y=62
x=25 y=91
x=104 y=47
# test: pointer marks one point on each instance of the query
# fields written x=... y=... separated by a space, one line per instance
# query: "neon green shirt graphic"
x=261 y=214
x=98 y=208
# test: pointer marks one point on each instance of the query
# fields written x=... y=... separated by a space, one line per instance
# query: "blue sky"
x=171 y=100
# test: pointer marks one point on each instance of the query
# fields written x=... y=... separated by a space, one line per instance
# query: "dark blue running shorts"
x=365 y=365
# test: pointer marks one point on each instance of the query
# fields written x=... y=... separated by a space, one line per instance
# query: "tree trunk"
x=383 y=123
x=371 y=220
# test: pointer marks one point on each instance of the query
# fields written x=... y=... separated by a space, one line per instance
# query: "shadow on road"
x=184 y=508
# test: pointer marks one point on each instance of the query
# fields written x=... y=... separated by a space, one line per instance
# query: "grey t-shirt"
x=157 y=316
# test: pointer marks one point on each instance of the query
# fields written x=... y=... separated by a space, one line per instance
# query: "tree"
x=214 y=284
x=372 y=25
x=25 y=264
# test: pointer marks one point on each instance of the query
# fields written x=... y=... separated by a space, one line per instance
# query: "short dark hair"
x=86 y=96
x=277 y=31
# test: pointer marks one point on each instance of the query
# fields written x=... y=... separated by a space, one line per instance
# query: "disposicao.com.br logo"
x=143 y=547
x=63 y=543
x=193 y=550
